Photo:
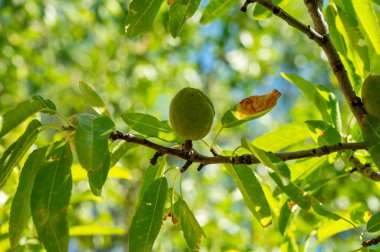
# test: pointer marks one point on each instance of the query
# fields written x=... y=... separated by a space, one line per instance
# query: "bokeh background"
x=47 y=47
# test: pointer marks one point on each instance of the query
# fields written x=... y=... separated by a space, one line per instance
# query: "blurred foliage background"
x=47 y=47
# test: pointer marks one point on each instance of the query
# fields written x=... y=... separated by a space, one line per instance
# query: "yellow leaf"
x=257 y=103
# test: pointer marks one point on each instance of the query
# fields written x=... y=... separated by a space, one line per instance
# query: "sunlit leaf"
x=373 y=224
x=367 y=17
x=147 y=221
x=50 y=199
x=150 y=126
x=91 y=140
x=191 y=229
x=371 y=134
x=91 y=230
x=20 y=210
x=93 y=99
x=215 y=9
x=22 y=111
x=252 y=192
x=141 y=14
x=179 y=12
x=282 y=137
x=152 y=172
x=17 y=150
x=250 y=108
x=122 y=148
x=323 y=133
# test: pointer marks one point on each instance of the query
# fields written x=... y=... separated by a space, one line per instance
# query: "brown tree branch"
x=195 y=157
x=278 y=11
x=321 y=36
x=364 y=169
x=335 y=62
x=371 y=242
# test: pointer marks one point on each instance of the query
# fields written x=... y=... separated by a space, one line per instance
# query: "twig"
x=364 y=169
x=371 y=242
x=335 y=62
x=196 y=157
x=321 y=37
x=278 y=11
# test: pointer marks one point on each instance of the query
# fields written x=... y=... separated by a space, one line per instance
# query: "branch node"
x=185 y=166
x=154 y=159
x=213 y=151
x=245 y=5
x=200 y=167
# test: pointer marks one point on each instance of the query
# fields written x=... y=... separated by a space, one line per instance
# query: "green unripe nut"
x=191 y=114
x=371 y=95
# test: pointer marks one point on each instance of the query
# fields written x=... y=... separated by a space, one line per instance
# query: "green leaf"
x=97 y=178
x=261 y=13
x=311 y=92
x=368 y=20
x=91 y=140
x=282 y=137
x=215 y=9
x=91 y=230
x=373 y=224
x=50 y=199
x=229 y=119
x=152 y=173
x=93 y=99
x=284 y=216
x=179 y=12
x=268 y=159
x=17 y=150
x=150 y=126
x=252 y=192
x=22 y=111
x=371 y=134
x=141 y=14
x=147 y=221
x=20 y=210
x=323 y=133
x=122 y=148
x=322 y=210
x=191 y=229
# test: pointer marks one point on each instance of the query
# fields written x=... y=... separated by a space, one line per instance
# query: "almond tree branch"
x=321 y=36
x=195 y=157
x=335 y=62
x=372 y=242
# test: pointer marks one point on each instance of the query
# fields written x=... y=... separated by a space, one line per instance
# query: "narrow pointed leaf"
x=252 y=192
x=91 y=140
x=311 y=92
x=284 y=217
x=97 y=178
x=20 y=210
x=122 y=148
x=93 y=99
x=50 y=199
x=150 y=126
x=17 y=150
x=322 y=210
x=368 y=19
x=22 y=111
x=323 y=133
x=191 y=229
x=249 y=109
x=215 y=9
x=152 y=172
x=179 y=12
x=147 y=221
x=282 y=137
x=373 y=224
x=141 y=14
x=371 y=134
